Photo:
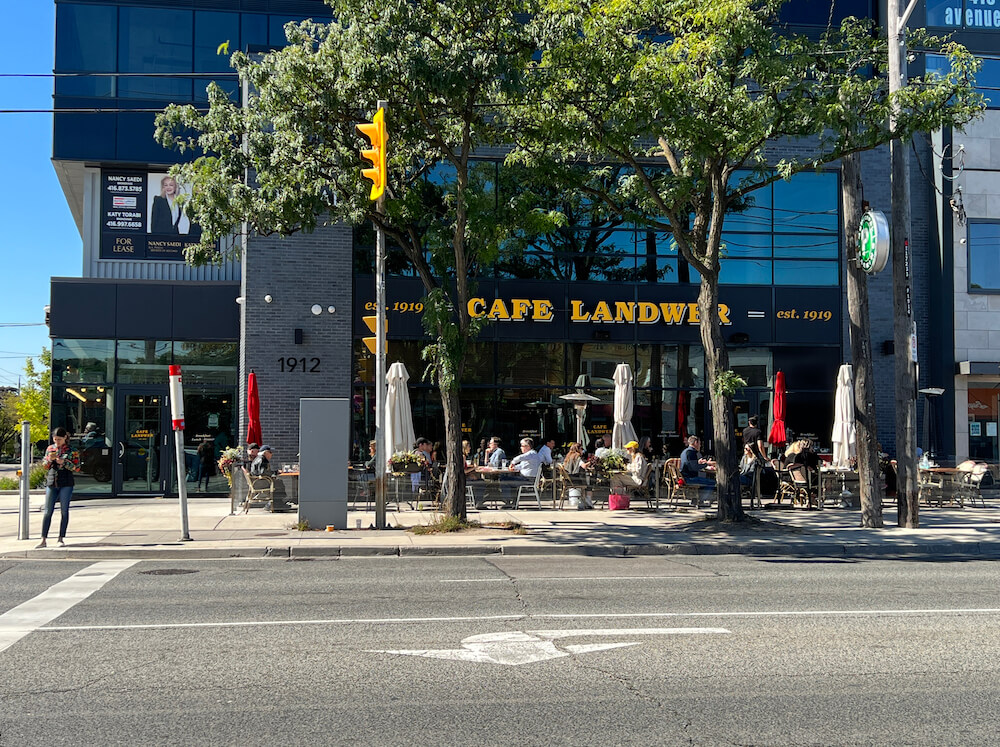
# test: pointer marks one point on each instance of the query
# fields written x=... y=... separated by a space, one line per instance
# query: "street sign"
x=873 y=242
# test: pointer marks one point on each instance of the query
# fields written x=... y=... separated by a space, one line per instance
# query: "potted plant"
x=407 y=461
x=613 y=461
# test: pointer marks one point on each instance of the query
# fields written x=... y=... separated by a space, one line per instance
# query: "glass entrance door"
x=141 y=465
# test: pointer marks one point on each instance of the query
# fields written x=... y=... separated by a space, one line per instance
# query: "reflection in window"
x=90 y=361
x=806 y=203
x=211 y=29
x=806 y=246
x=208 y=363
x=753 y=364
x=671 y=366
x=87 y=412
x=984 y=256
x=745 y=272
x=746 y=244
x=530 y=364
x=792 y=272
x=253 y=32
x=155 y=40
x=85 y=42
x=143 y=361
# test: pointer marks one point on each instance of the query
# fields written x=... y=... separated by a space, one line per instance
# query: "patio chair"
x=680 y=489
x=795 y=485
x=971 y=484
x=566 y=482
x=260 y=490
x=529 y=491
x=643 y=491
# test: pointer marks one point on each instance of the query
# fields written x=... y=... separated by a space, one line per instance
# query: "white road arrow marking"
x=516 y=647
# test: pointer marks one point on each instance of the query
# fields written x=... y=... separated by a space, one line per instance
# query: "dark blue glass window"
x=155 y=40
x=745 y=271
x=987 y=79
x=210 y=30
x=818 y=12
x=746 y=244
x=253 y=31
x=756 y=213
x=802 y=272
x=276 y=32
x=806 y=246
x=85 y=42
x=946 y=13
x=984 y=256
x=807 y=203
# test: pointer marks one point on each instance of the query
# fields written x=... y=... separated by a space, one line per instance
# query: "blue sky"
x=40 y=238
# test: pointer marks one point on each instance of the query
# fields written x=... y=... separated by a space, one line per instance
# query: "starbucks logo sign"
x=873 y=242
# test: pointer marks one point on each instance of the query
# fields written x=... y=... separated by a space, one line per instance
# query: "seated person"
x=634 y=472
x=600 y=450
x=801 y=452
x=470 y=467
x=692 y=463
x=261 y=465
x=574 y=459
x=495 y=456
x=527 y=464
x=747 y=465
x=545 y=453
x=370 y=462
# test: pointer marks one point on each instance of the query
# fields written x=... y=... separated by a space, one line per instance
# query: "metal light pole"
x=381 y=458
x=177 y=416
x=22 y=516
x=904 y=326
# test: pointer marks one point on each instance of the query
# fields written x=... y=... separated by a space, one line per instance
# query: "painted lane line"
x=540 y=616
x=523 y=579
x=30 y=616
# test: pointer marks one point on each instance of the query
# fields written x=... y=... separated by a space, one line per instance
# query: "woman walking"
x=61 y=461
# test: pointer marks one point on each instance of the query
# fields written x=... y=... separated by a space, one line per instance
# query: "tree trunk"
x=864 y=380
x=716 y=360
x=453 y=482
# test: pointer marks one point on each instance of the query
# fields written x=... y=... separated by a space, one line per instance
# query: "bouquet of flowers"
x=230 y=459
x=407 y=461
x=613 y=461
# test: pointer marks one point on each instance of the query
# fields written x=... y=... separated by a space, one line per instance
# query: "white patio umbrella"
x=398 y=416
x=845 y=443
x=623 y=431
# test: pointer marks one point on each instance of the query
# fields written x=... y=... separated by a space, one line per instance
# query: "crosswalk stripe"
x=27 y=617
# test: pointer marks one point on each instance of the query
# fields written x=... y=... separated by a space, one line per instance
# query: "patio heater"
x=931 y=394
x=541 y=407
x=580 y=402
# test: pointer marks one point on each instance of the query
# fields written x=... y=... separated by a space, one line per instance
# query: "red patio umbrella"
x=253 y=411
x=778 y=436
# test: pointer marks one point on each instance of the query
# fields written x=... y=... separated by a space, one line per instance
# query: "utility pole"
x=904 y=326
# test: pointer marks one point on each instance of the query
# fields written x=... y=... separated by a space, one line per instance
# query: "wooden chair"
x=643 y=491
x=565 y=482
x=680 y=490
x=260 y=490
x=795 y=485
x=971 y=483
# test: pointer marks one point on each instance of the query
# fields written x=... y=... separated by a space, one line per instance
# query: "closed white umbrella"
x=398 y=416
x=623 y=431
x=845 y=442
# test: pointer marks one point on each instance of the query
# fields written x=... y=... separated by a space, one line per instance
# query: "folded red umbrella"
x=777 y=436
x=253 y=411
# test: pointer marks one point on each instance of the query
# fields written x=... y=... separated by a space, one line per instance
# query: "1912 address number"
x=303 y=365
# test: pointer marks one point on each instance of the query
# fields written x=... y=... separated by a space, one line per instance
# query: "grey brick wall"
x=297 y=272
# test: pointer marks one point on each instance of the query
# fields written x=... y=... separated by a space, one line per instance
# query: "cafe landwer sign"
x=873 y=242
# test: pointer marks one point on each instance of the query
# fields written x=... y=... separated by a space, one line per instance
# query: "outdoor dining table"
x=940 y=484
x=836 y=483
x=492 y=489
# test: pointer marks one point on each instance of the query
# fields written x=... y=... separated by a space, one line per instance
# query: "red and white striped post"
x=177 y=416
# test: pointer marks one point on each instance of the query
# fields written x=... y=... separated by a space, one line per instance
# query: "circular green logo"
x=873 y=242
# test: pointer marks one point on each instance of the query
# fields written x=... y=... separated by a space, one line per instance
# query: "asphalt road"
x=532 y=651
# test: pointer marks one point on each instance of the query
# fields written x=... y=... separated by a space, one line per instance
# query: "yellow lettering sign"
x=576 y=312
x=477 y=307
x=602 y=313
x=624 y=311
x=649 y=312
x=518 y=308
x=498 y=311
x=673 y=313
x=541 y=311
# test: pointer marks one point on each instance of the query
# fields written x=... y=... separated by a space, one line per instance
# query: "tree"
x=442 y=66
x=689 y=94
x=33 y=402
x=10 y=426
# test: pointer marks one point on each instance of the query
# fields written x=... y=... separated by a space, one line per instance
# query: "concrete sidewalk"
x=150 y=528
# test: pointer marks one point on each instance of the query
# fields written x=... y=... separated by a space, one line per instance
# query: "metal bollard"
x=22 y=516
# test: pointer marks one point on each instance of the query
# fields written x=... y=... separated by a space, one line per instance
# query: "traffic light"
x=375 y=132
x=370 y=341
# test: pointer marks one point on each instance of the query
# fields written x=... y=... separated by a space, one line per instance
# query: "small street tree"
x=10 y=427
x=442 y=66
x=695 y=97
x=33 y=401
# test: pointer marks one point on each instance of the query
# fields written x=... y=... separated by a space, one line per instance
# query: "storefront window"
x=143 y=361
x=530 y=364
x=803 y=272
x=984 y=256
x=208 y=363
x=745 y=271
x=679 y=365
x=83 y=361
x=87 y=412
x=984 y=413
x=807 y=203
x=753 y=364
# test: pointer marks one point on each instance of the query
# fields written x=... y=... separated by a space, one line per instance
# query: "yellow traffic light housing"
x=375 y=132
x=370 y=322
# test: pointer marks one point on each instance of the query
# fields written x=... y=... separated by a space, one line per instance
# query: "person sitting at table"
x=261 y=466
x=370 y=462
x=747 y=465
x=634 y=472
x=646 y=448
x=470 y=467
x=545 y=452
x=801 y=452
x=692 y=462
x=495 y=456
x=527 y=463
x=574 y=458
x=600 y=450
x=480 y=458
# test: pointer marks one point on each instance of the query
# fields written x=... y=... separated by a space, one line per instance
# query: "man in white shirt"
x=545 y=453
x=527 y=462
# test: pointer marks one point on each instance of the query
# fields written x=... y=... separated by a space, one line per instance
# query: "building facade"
x=564 y=312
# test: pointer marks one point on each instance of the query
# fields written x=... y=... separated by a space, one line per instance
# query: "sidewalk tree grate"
x=167 y=572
